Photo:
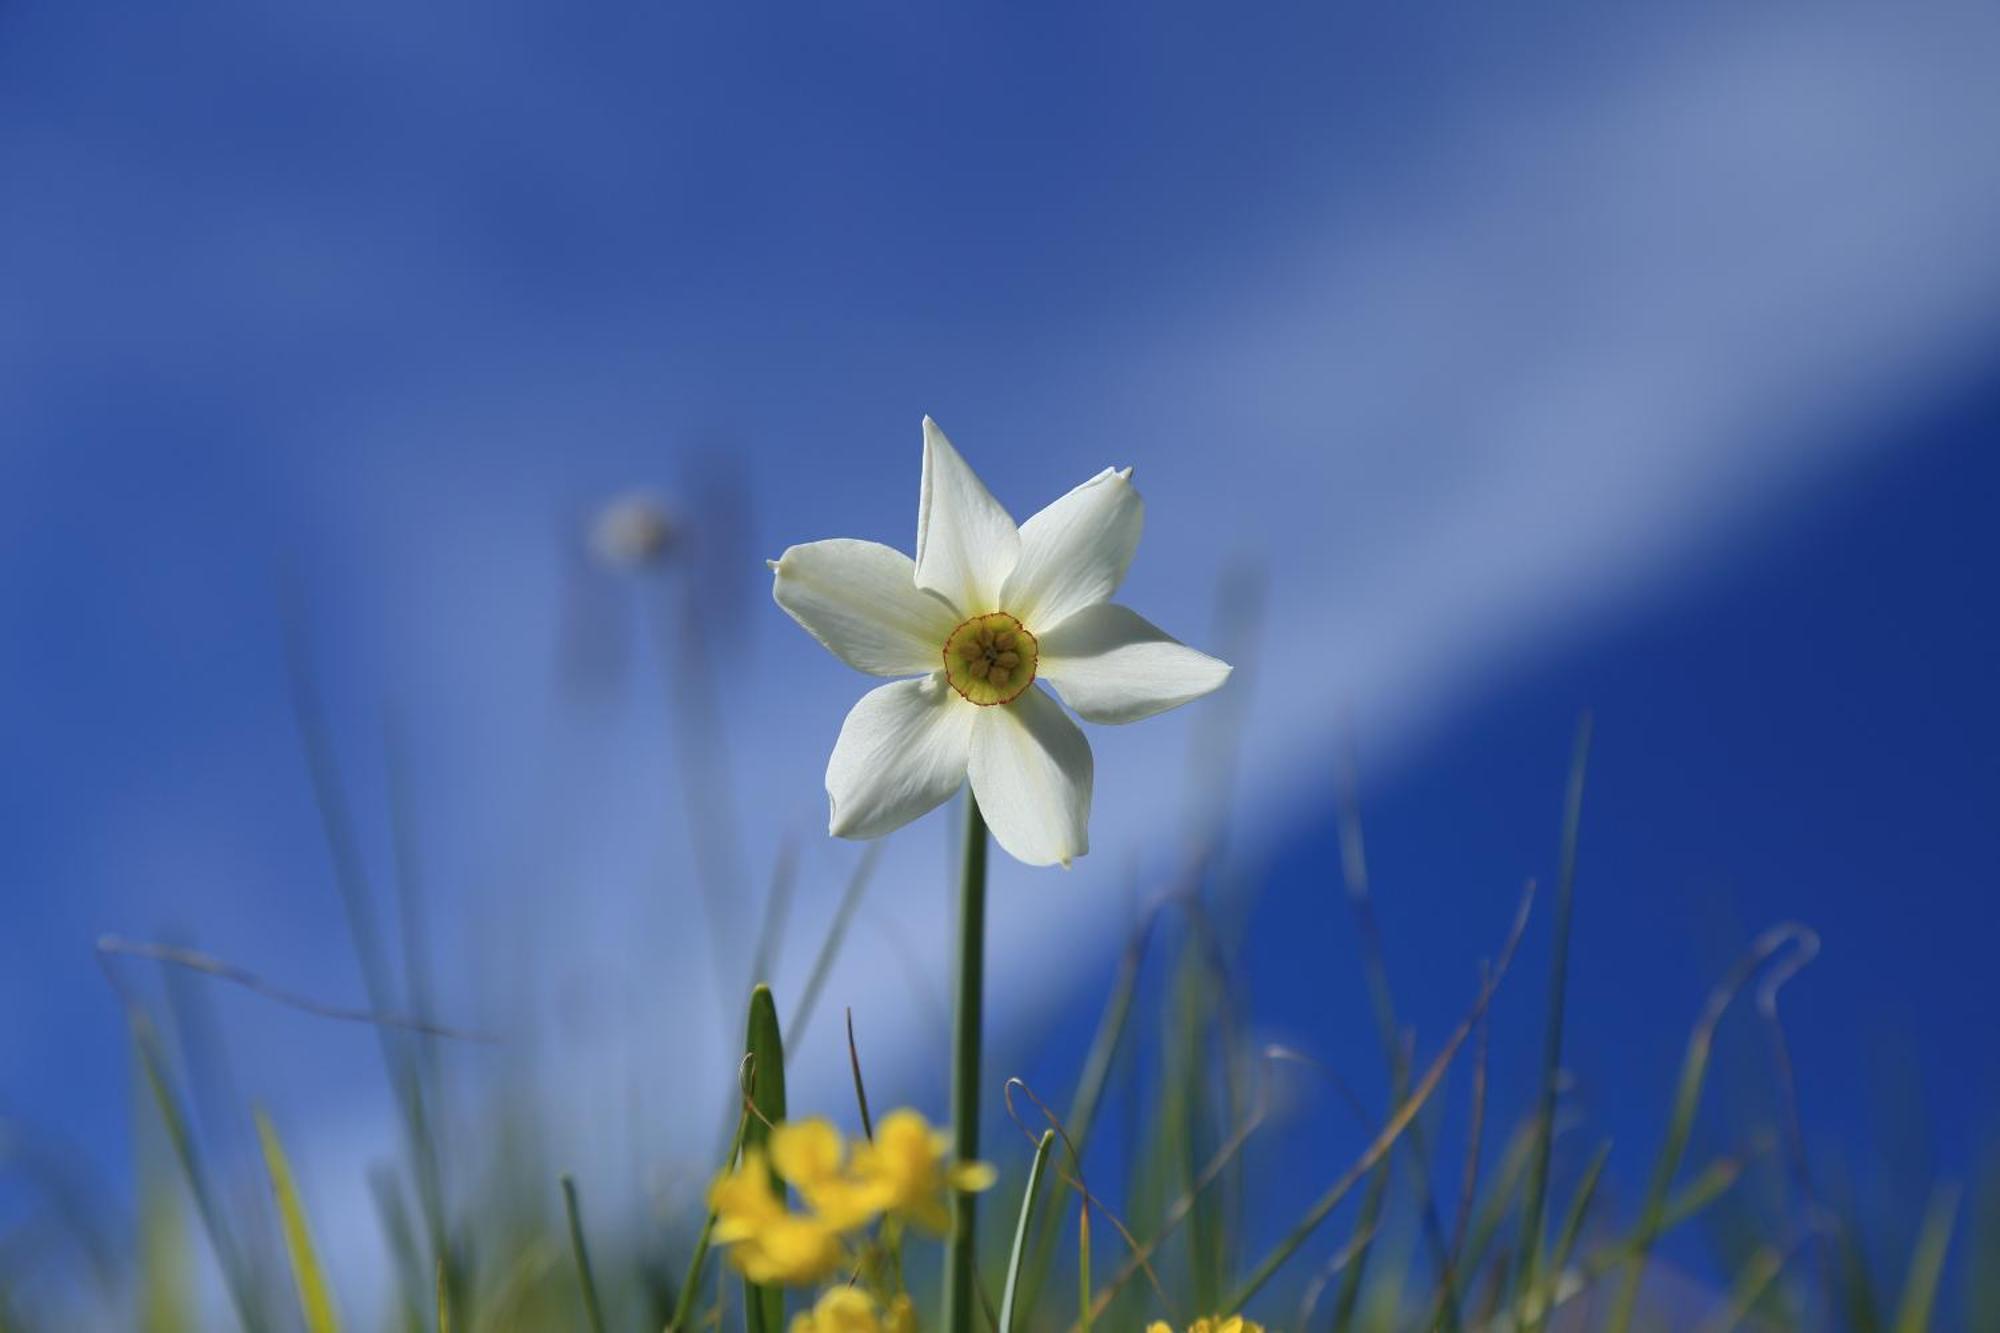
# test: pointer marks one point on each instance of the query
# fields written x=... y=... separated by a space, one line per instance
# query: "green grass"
x=486 y=1232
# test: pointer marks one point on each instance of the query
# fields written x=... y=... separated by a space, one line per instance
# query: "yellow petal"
x=805 y=1151
x=972 y=1177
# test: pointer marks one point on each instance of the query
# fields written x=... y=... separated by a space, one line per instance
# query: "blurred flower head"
x=766 y=1241
x=907 y=1171
x=852 y=1310
x=906 y=1174
x=633 y=531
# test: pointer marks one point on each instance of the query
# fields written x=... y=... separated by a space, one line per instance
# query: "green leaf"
x=764 y=1307
x=315 y=1302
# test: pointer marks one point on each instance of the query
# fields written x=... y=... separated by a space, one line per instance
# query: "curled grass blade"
x=1309 y=1300
x=1011 y=1290
x=1687 y=1100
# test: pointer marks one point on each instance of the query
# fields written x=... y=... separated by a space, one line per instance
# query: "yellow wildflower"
x=1235 y=1323
x=851 y=1310
x=766 y=1241
x=905 y=1171
x=743 y=1200
x=810 y=1157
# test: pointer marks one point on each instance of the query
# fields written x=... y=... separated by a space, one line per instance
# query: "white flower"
x=985 y=613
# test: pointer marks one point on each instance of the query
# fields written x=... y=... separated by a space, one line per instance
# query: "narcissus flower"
x=1235 y=1323
x=983 y=617
x=851 y=1310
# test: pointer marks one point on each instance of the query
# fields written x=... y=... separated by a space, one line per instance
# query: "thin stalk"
x=707 y=784
x=1545 y=1122
x=1572 y=1227
x=836 y=934
x=691 y=1284
x=1084 y=1309
x=860 y=1088
x=1086 y=1100
x=965 y=1058
x=1391 y=1131
x=580 y=1250
x=1381 y=999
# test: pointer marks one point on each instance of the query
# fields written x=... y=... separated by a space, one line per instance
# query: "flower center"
x=990 y=659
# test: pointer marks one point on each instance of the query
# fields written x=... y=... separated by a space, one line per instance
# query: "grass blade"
x=860 y=1088
x=1687 y=1099
x=764 y=1307
x=836 y=935
x=152 y=1062
x=1021 y=1230
x=579 y=1250
x=1089 y=1096
x=1083 y=1268
x=1913 y=1312
x=1395 y=1052
x=1391 y=1131
x=691 y=1284
x=315 y=1301
x=1579 y=1208
x=1744 y=1293
x=1538 y=1172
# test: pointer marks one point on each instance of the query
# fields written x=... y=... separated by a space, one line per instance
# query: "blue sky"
x=1582 y=358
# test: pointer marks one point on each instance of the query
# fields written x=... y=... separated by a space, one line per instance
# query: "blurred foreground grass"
x=487 y=1232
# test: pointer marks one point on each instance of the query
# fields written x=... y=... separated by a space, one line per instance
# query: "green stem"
x=958 y=1271
x=684 y=1301
x=580 y=1251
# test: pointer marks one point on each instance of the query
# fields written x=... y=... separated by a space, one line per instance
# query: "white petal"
x=1112 y=665
x=1031 y=774
x=1075 y=552
x=966 y=543
x=861 y=600
x=902 y=752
